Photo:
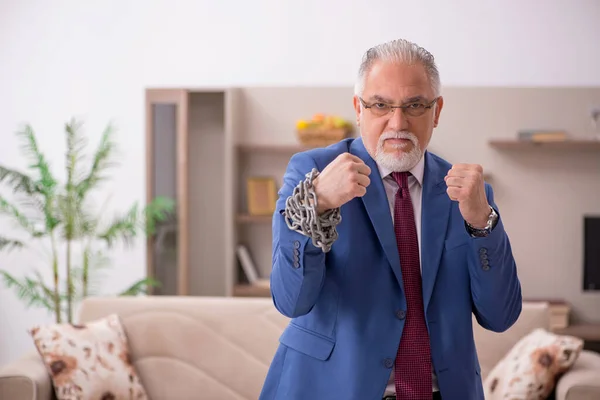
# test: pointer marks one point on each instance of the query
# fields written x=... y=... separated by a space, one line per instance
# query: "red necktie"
x=413 y=360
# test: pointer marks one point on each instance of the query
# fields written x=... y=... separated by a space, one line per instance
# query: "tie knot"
x=401 y=178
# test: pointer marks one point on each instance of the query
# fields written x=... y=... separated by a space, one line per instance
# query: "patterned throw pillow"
x=89 y=361
x=530 y=370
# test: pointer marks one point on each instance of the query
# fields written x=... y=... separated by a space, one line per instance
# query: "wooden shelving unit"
x=573 y=144
x=204 y=143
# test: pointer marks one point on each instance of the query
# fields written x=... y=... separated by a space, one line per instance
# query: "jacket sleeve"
x=298 y=267
x=495 y=286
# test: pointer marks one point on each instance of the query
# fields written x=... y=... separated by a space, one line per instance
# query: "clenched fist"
x=343 y=179
x=466 y=186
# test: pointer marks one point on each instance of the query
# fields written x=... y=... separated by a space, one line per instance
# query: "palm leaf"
x=46 y=184
x=86 y=223
x=48 y=293
x=122 y=228
x=87 y=278
x=77 y=221
x=70 y=201
x=28 y=290
x=77 y=283
x=140 y=287
x=9 y=244
x=128 y=226
x=33 y=207
x=76 y=144
x=101 y=162
x=158 y=210
x=18 y=181
x=12 y=211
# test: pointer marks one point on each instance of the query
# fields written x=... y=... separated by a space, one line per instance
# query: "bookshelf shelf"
x=249 y=219
x=247 y=290
x=287 y=149
x=573 y=144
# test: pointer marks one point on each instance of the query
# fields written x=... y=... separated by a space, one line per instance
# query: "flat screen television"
x=591 y=253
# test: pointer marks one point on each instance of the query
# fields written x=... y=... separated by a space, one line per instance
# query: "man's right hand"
x=343 y=179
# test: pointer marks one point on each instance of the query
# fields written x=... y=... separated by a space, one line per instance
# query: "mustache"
x=398 y=135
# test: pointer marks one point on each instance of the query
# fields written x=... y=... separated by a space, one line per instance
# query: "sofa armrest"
x=26 y=379
x=582 y=380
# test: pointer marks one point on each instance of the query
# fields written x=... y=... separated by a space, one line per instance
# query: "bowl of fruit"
x=322 y=130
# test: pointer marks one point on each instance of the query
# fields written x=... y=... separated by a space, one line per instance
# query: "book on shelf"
x=249 y=268
x=543 y=135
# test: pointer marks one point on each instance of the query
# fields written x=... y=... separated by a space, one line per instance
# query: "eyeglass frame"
x=404 y=107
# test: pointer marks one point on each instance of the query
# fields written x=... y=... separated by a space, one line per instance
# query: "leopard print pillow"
x=530 y=370
x=89 y=361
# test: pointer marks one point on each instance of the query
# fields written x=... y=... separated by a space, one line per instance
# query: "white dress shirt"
x=415 y=187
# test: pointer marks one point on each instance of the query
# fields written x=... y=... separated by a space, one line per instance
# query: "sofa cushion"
x=532 y=366
x=89 y=361
x=493 y=346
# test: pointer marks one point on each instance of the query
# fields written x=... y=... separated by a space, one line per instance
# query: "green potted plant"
x=62 y=216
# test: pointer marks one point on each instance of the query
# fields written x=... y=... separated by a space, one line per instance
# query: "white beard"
x=393 y=161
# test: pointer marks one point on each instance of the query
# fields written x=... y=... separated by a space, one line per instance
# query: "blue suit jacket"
x=346 y=306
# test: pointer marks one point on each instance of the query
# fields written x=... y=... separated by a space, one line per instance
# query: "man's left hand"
x=466 y=186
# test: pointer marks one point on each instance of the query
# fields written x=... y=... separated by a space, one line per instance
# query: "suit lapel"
x=435 y=213
x=376 y=203
x=434 y=216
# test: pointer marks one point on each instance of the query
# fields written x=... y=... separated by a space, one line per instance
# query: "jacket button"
x=400 y=314
x=485 y=267
x=296 y=244
x=388 y=362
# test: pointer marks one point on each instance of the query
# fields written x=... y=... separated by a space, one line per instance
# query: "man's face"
x=394 y=137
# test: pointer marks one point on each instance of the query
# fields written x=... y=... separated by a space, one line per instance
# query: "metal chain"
x=301 y=215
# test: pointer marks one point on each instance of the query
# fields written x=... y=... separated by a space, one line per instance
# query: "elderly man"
x=383 y=251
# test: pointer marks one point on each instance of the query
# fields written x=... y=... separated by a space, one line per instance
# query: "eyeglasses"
x=415 y=109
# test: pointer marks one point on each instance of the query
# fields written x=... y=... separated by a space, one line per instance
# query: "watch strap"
x=483 y=232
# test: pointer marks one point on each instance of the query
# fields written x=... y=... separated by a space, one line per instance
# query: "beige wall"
x=542 y=195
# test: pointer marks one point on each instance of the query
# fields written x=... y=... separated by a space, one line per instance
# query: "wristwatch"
x=483 y=232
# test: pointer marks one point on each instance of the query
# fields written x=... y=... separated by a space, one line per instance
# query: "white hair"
x=398 y=50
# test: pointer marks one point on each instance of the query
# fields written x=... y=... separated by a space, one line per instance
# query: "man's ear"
x=357 y=108
x=438 y=110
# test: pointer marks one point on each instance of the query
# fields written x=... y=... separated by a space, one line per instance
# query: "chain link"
x=301 y=215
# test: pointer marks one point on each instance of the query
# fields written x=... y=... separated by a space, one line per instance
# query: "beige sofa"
x=220 y=348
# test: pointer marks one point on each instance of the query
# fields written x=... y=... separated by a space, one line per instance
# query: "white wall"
x=67 y=58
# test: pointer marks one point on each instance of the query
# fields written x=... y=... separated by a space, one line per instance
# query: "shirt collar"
x=417 y=171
